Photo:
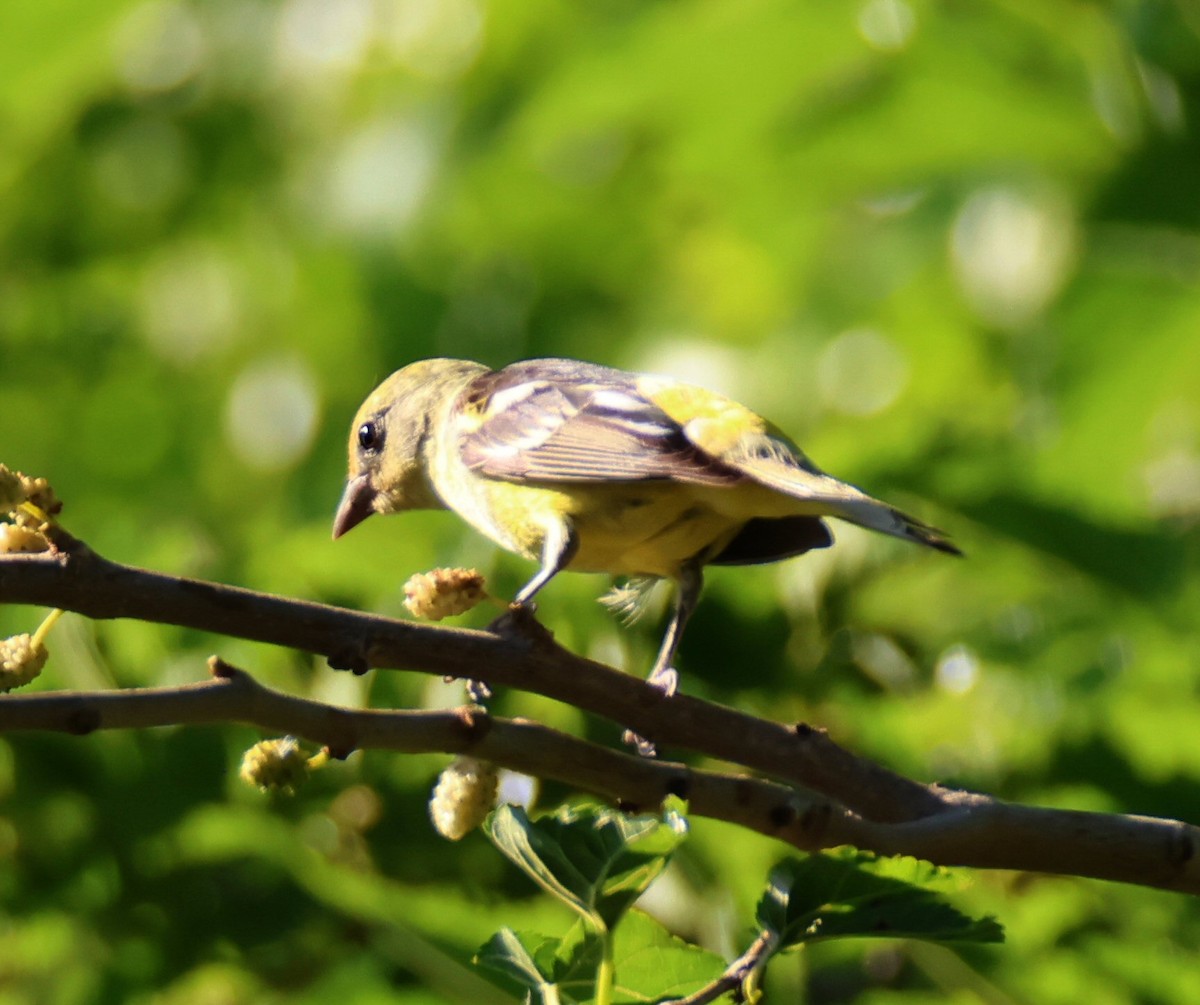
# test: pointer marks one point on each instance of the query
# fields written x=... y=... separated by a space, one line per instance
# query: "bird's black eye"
x=368 y=436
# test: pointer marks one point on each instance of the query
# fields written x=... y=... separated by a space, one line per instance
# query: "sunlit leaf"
x=595 y=860
x=830 y=896
x=652 y=964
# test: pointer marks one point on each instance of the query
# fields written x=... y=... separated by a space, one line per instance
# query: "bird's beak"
x=355 y=506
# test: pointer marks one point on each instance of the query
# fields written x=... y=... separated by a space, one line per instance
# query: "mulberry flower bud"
x=465 y=793
x=40 y=494
x=275 y=764
x=12 y=493
x=15 y=539
x=41 y=505
x=23 y=656
x=21 y=660
x=443 y=593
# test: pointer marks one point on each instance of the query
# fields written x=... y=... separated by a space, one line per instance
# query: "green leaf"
x=595 y=860
x=835 y=896
x=653 y=965
x=576 y=960
x=553 y=970
x=511 y=956
x=522 y=962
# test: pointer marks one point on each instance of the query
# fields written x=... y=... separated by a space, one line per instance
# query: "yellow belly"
x=622 y=529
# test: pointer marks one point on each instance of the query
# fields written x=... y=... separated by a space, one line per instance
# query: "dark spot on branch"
x=782 y=815
x=803 y=730
x=1181 y=849
x=352 y=658
x=83 y=720
x=679 y=786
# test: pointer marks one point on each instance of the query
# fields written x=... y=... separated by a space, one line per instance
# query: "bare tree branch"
x=521 y=654
x=232 y=696
x=865 y=805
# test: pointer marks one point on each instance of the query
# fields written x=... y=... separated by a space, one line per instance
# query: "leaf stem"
x=605 y=972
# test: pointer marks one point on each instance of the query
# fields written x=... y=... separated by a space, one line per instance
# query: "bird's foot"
x=644 y=747
x=666 y=680
x=478 y=692
x=520 y=619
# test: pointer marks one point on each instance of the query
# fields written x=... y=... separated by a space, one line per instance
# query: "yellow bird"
x=586 y=467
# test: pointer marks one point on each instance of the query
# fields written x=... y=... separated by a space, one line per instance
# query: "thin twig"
x=749 y=964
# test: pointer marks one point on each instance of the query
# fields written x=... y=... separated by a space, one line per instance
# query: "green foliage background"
x=953 y=247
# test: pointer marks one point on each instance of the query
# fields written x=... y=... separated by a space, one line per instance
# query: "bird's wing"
x=734 y=436
x=557 y=420
x=745 y=443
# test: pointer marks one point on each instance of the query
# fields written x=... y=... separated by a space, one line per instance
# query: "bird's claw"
x=478 y=692
x=644 y=747
x=520 y=619
x=666 y=679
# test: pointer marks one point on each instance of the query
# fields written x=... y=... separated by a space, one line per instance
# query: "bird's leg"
x=663 y=675
x=558 y=548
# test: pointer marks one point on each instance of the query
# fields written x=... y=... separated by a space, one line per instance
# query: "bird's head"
x=389 y=438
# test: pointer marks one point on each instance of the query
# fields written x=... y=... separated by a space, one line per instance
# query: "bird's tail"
x=779 y=465
x=875 y=515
